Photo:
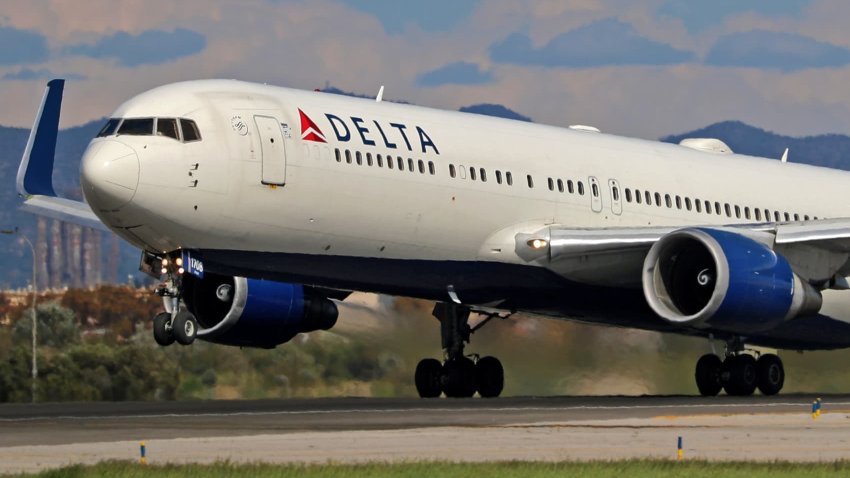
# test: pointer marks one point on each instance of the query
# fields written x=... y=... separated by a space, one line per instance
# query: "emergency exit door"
x=272 y=150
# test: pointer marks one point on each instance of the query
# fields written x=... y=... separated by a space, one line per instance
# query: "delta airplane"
x=259 y=207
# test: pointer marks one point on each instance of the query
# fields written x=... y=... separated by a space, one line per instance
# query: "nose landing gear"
x=177 y=323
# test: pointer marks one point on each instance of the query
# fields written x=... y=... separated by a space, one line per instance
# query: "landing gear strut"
x=740 y=373
x=177 y=323
x=458 y=376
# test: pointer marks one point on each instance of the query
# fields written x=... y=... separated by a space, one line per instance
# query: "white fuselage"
x=209 y=194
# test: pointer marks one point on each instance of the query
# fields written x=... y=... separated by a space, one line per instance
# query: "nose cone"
x=109 y=174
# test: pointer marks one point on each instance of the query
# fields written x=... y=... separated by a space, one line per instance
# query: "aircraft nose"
x=109 y=174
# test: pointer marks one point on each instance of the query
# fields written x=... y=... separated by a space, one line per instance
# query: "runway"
x=39 y=436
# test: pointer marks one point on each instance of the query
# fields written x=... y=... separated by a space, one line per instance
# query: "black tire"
x=739 y=375
x=162 y=329
x=428 y=377
x=184 y=327
x=458 y=378
x=489 y=377
x=770 y=374
x=707 y=375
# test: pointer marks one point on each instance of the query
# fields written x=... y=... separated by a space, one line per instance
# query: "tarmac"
x=35 y=437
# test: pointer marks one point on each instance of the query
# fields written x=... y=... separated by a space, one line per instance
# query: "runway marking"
x=416 y=410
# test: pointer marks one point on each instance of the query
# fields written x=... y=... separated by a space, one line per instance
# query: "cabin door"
x=272 y=150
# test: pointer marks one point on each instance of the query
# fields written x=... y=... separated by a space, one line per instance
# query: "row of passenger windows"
x=636 y=196
x=176 y=128
x=480 y=174
x=707 y=207
x=379 y=160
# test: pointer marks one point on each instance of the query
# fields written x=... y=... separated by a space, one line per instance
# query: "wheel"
x=458 y=378
x=489 y=377
x=770 y=374
x=708 y=375
x=427 y=378
x=162 y=329
x=739 y=375
x=184 y=327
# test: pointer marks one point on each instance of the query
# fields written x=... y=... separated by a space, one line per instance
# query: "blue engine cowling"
x=254 y=313
x=710 y=278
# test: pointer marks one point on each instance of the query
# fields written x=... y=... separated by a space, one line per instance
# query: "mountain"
x=829 y=150
x=495 y=110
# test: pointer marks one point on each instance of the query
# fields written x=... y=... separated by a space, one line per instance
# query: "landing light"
x=164 y=262
x=538 y=243
x=164 y=271
x=181 y=270
x=179 y=262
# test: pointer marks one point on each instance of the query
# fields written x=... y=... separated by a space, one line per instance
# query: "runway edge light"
x=142 y=459
x=679 y=454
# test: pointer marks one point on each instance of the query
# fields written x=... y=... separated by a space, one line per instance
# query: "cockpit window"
x=137 y=127
x=167 y=127
x=109 y=127
x=190 y=130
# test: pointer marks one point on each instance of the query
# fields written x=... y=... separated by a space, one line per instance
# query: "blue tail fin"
x=35 y=174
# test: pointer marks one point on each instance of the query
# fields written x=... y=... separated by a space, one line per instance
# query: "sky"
x=644 y=69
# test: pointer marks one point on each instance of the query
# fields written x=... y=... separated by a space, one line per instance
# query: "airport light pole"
x=34 y=317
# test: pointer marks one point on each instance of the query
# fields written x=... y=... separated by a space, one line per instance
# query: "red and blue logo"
x=309 y=130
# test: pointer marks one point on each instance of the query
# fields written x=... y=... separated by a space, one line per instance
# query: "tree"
x=57 y=326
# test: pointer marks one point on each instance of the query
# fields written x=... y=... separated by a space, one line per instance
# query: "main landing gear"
x=177 y=323
x=458 y=376
x=740 y=373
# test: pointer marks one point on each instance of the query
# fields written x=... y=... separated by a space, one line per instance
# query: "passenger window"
x=658 y=199
x=648 y=197
x=738 y=212
x=509 y=178
x=787 y=217
x=338 y=155
x=380 y=161
x=717 y=208
x=637 y=196
x=389 y=162
x=728 y=209
x=777 y=216
x=796 y=217
x=747 y=212
x=628 y=195
x=137 y=127
x=570 y=186
x=708 y=207
x=348 y=156
x=369 y=159
x=551 y=184
x=483 y=175
x=109 y=128
x=595 y=189
x=410 y=165
x=359 y=158
x=580 y=188
x=615 y=193
x=431 y=168
x=472 y=173
x=530 y=181
x=190 y=130
x=400 y=163
x=167 y=127
x=498 y=177
x=806 y=217
x=758 y=214
x=668 y=200
x=560 y=186
x=698 y=205
x=678 y=202
x=421 y=167
x=688 y=204
x=452 y=171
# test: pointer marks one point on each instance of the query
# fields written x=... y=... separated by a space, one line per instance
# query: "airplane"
x=259 y=207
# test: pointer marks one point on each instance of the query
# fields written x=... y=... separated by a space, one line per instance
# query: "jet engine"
x=254 y=313
x=709 y=278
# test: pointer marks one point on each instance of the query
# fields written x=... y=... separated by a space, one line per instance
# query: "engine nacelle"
x=254 y=313
x=709 y=278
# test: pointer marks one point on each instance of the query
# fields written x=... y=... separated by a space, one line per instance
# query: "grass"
x=629 y=468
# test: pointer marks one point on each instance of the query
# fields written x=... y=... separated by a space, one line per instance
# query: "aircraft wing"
x=35 y=173
x=819 y=250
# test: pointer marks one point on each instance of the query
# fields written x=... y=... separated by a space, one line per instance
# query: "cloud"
x=775 y=50
x=27 y=74
x=698 y=15
x=434 y=15
x=22 y=46
x=150 y=47
x=601 y=43
x=459 y=73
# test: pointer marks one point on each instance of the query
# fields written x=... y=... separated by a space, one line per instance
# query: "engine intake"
x=709 y=278
x=254 y=313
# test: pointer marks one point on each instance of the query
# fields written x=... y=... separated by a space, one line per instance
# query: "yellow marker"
x=819 y=405
x=142 y=458
x=814 y=409
x=679 y=453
